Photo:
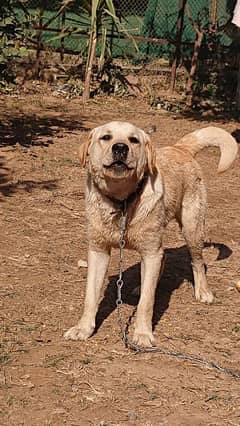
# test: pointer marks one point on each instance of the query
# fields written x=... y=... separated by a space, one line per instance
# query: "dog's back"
x=181 y=172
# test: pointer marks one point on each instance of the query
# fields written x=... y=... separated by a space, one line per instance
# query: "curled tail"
x=211 y=136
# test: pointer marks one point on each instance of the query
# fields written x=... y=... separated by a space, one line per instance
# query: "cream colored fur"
x=212 y=136
x=172 y=188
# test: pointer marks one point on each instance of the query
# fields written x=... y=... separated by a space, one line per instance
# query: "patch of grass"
x=139 y=386
x=31 y=328
x=53 y=360
x=236 y=328
x=68 y=161
x=20 y=321
x=153 y=396
x=10 y=400
x=4 y=358
x=212 y=397
x=86 y=361
x=6 y=328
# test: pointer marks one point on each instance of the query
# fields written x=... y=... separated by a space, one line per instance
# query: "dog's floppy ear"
x=151 y=154
x=84 y=149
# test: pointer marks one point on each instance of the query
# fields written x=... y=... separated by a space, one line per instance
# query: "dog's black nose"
x=120 y=151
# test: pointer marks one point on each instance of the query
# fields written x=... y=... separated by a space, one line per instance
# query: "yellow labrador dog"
x=126 y=174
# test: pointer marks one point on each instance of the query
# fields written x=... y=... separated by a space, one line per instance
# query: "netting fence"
x=151 y=23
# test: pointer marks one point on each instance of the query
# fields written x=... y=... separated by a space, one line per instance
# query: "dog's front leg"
x=97 y=268
x=150 y=271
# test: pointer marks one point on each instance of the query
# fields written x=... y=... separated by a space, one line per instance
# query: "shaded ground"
x=45 y=380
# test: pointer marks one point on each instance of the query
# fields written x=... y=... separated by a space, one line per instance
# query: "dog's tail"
x=211 y=136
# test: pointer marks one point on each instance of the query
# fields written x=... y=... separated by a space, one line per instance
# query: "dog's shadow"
x=177 y=269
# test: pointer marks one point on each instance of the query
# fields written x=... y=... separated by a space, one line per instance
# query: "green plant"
x=53 y=360
x=101 y=11
x=4 y=358
x=112 y=80
x=96 y=19
x=11 y=34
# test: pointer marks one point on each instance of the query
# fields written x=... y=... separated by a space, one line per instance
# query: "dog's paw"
x=78 y=333
x=143 y=339
x=204 y=296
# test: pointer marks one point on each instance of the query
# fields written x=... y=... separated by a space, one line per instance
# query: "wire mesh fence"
x=152 y=23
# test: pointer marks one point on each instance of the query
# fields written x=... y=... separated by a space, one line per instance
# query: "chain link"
x=119 y=283
x=125 y=326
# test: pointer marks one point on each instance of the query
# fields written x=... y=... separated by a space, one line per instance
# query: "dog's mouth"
x=118 y=166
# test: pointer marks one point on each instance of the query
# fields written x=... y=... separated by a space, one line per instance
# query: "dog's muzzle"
x=119 y=158
x=120 y=151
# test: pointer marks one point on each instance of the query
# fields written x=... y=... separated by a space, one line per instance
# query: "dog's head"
x=119 y=155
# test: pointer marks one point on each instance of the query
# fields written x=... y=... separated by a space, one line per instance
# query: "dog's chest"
x=109 y=228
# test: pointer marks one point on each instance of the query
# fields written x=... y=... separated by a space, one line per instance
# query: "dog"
x=126 y=176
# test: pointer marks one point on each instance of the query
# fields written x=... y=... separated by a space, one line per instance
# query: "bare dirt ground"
x=45 y=380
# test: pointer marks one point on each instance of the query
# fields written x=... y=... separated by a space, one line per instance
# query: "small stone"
x=82 y=264
x=237 y=285
x=132 y=416
x=152 y=129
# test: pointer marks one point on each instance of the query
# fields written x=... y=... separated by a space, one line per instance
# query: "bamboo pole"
x=63 y=18
x=213 y=13
x=90 y=62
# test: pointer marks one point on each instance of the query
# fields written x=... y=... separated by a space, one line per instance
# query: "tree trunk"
x=39 y=39
x=177 y=52
x=238 y=86
x=194 y=61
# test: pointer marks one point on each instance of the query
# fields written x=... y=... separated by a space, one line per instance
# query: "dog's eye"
x=132 y=139
x=106 y=137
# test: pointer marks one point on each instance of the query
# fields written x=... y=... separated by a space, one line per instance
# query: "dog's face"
x=119 y=155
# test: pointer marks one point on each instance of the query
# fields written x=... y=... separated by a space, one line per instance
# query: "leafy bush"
x=11 y=35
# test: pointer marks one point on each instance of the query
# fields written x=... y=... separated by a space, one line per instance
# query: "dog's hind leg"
x=192 y=220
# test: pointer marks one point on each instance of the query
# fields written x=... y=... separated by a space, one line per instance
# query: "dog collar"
x=123 y=204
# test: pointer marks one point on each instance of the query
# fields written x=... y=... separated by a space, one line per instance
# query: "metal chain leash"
x=122 y=229
x=125 y=326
